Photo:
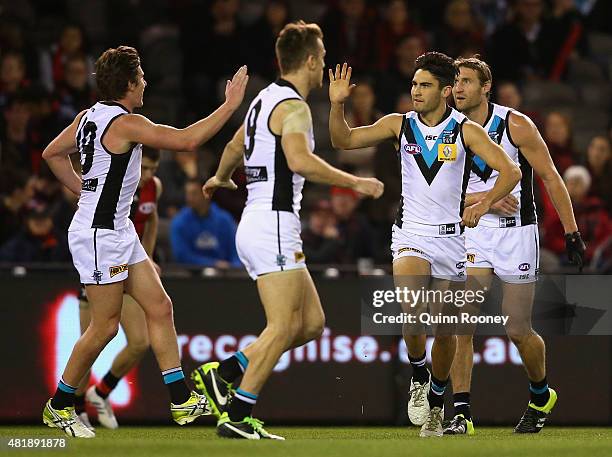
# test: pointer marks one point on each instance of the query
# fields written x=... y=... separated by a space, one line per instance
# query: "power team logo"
x=471 y=258
x=447 y=152
x=299 y=256
x=114 y=271
x=412 y=148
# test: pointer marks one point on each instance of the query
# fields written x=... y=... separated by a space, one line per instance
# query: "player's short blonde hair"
x=295 y=43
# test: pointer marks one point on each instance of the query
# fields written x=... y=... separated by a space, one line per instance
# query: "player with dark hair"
x=435 y=145
x=276 y=143
x=505 y=243
x=145 y=218
x=104 y=244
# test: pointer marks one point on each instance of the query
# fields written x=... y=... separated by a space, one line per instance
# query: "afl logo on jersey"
x=412 y=148
x=147 y=207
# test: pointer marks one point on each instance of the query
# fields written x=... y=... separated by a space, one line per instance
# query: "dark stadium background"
x=560 y=76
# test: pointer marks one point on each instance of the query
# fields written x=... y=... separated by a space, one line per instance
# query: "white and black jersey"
x=435 y=166
x=483 y=177
x=109 y=180
x=271 y=185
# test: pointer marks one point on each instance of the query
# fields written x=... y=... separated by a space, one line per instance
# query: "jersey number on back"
x=251 y=127
x=86 y=136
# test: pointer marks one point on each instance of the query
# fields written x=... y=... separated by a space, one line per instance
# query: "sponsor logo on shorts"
x=255 y=174
x=524 y=266
x=460 y=265
x=447 y=229
x=471 y=258
x=89 y=185
x=418 y=251
x=526 y=276
x=97 y=275
x=299 y=256
x=447 y=152
x=505 y=222
x=114 y=271
x=281 y=260
x=412 y=148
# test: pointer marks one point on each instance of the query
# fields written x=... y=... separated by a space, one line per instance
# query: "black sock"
x=64 y=396
x=107 y=384
x=539 y=392
x=230 y=369
x=461 y=401
x=79 y=404
x=436 y=392
x=175 y=381
x=242 y=405
x=419 y=369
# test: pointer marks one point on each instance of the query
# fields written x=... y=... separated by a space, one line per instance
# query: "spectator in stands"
x=175 y=173
x=508 y=94
x=520 y=48
x=14 y=139
x=593 y=220
x=262 y=37
x=460 y=34
x=12 y=76
x=396 y=25
x=599 y=164
x=396 y=82
x=361 y=112
x=16 y=190
x=558 y=136
x=350 y=34
x=74 y=93
x=321 y=236
x=71 y=43
x=202 y=233
x=355 y=233
x=567 y=26
x=38 y=241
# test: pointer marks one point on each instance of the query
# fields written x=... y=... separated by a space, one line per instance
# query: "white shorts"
x=445 y=254
x=102 y=256
x=513 y=253
x=269 y=241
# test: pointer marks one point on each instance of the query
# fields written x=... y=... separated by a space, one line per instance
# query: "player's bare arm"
x=149 y=235
x=230 y=160
x=527 y=138
x=507 y=206
x=344 y=137
x=134 y=128
x=292 y=120
x=509 y=173
x=57 y=152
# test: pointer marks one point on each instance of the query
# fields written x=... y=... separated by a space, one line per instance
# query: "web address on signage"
x=333 y=349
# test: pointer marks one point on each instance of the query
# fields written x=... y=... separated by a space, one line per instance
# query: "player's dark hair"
x=295 y=43
x=151 y=153
x=439 y=65
x=481 y=68
x=115 y=69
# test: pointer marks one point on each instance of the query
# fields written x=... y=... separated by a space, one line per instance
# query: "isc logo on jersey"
x=447 y=152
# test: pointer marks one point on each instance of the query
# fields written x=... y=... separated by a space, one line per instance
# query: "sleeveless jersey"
x=435 y=166
x=482 y=177
x=271 y=185
x=109 y=180
x=144 y=204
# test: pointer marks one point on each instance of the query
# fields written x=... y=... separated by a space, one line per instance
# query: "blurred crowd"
x=550 y=59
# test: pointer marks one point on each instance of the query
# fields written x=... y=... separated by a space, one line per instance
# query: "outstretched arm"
x=134 y=128
x=344 y=137
x=230 y=160
x=57 y=156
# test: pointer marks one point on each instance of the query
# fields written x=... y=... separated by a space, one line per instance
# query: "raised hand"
x=215 y=183
x=370 y=187
x=234 y=89
x=340 y=86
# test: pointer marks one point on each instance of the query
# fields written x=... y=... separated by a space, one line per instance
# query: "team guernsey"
x=508 y=244
x=102 y=238
x=435 y=166
x=268 y=237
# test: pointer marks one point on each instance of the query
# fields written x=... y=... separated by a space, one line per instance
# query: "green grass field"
x=314 y=442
